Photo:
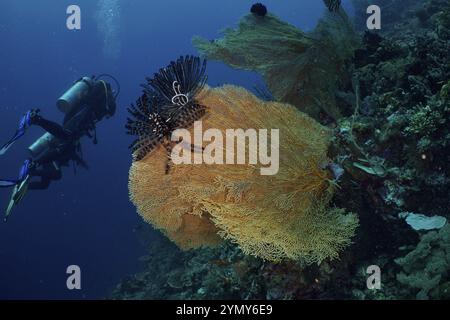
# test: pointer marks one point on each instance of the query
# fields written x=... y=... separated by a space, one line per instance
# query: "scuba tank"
x=91 y=91
x=42 y=144
x=73 y=97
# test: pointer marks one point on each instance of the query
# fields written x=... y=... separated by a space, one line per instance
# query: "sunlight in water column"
x=108 y=23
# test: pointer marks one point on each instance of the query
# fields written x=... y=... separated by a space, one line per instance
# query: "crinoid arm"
x=139 y=114
x=145 y=123
x=180 y=81
x=187 y=115
x=168 y=103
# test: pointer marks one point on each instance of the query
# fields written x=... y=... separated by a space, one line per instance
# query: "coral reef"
x=396 y=143
x=407 y=16
x=303 y=69
x=386 y=141
x=402 y=120
x=225 y=273
x=426 y=268
x=273 y=217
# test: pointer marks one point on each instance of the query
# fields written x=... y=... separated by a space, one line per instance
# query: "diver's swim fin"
x=9 y=209
x=17 y=195
x=24 y=124
x=8 y=145
x=8 y=183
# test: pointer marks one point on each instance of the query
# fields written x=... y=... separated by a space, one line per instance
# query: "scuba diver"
x=86 y=103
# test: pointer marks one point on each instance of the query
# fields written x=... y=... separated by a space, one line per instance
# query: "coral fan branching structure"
x=284 y=216
x=303 y=69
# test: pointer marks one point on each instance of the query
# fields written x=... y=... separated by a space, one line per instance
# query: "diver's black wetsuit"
x=48 y=173
x=51 y=127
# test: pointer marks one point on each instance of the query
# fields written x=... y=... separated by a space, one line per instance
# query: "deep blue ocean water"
x=87 y=219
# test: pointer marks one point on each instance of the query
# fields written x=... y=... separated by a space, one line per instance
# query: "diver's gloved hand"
x=24 y=124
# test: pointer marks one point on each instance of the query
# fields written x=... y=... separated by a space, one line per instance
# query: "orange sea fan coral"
x=283 y=216
x=159 y=202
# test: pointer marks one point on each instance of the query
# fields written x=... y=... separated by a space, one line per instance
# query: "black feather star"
x=333 y=5
x=168 y=103
x=147 y=124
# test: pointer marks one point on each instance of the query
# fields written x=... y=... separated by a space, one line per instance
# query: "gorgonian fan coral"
x=284 y=216
x=299 y=68
x=168 y=103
